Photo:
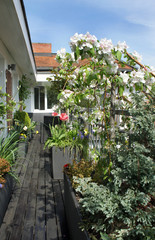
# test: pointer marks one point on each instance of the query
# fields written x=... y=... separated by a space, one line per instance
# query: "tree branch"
x=139 y=63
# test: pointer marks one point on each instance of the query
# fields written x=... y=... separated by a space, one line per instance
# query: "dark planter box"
x=72 y=212
x=60 y=157
x=5 y=195
x=22 y=148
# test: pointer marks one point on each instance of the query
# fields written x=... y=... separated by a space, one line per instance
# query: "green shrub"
x=123 y=206
x=23 y=118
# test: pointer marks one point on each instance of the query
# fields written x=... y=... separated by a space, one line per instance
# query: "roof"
x=46 y=60
x=15 y=36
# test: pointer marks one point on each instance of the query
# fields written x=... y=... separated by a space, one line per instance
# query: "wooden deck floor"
x=36 y=209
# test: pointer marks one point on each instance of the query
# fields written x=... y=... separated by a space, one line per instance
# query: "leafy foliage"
x=62 y=136
x=23 y=118
x=7 y=104
x=9 y=147
x=80 y=168
x=23 y=124
x=124 y=207
x=58 y=137
x=24 y=88
x=8 y=153
x=4 y=168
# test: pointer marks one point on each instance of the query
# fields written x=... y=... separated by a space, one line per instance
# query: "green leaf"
x=119 y=55
x=92 y=51
x=121 y=90
x=104 y=236
x=77 y=53
x=139 y=86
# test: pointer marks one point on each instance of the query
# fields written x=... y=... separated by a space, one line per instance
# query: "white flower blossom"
x=138 y=76
x=90 y=97
x=113 y=69
x=105 y=46
x=55 y=108
x=118 y=146
x=137 y=56
x=121 y=46
x=72 y=56
x=61 y=53
x=25 y=128
x=66 y=93
x=152 y=69
x=124 y=76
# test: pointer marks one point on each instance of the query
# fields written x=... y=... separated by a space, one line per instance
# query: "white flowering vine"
x=97 y=78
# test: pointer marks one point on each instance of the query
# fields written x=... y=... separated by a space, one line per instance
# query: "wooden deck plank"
x=36 y=210
x=51 y=223
x=60 y=212
x=40 y=226
x=19 y=216
x=29 y=221
x=6 y=228
x=22 y=206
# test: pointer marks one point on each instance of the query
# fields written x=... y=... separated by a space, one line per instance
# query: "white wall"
x=5 y=60
x=3 y=85
x=30 y=102
x=42 y=77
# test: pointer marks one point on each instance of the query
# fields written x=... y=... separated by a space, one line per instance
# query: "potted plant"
x=25 y=128
x=6 y=185
x=65 y=144
x=8 y=155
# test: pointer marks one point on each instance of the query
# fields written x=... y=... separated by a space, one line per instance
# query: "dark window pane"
x=42 y=98
x=36 y=98
x=51 y=97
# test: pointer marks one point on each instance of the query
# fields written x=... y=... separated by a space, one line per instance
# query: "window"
x=51 y=97
x=39 y=98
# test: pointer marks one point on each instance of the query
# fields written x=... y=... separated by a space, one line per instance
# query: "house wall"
x=30 y=102
x=3 y=85
x=9 y=79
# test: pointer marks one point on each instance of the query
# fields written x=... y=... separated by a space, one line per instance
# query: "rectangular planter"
x=60 y=157
x=72 y=212
x=5 y=195
x=22 y=148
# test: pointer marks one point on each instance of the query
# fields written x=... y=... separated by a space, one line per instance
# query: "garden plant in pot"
x=8 y=155
x=117 y=199
x=66 y=143
x=25 y=128
x=8 y=151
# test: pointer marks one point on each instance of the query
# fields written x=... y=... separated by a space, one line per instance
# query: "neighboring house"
x=16 y=54
x=39 y=104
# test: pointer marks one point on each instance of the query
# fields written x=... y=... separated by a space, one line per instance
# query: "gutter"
x=28 y=31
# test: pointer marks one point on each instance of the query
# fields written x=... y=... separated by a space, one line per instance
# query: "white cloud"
x=135 y=11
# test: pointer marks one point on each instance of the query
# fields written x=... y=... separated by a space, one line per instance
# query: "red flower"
x=54 y=114
x=66 y=165
x=63 y=117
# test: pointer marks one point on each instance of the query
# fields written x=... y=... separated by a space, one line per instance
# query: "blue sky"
x=133 y=21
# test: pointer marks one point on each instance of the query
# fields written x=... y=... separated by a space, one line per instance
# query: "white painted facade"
x=41 y=82
x=15 y=47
